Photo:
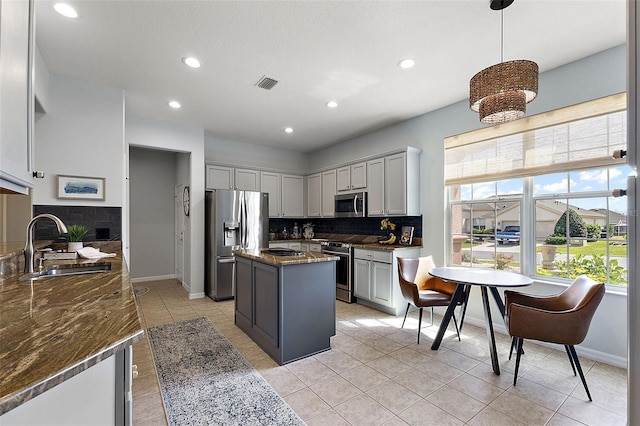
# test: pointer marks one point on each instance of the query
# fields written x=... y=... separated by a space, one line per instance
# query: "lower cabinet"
x=288 y=310
x=375 y=278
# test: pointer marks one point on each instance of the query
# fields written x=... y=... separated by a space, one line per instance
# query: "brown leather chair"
x=563 y=319
x=421 y=289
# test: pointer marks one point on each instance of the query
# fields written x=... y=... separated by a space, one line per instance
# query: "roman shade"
x=572 y=138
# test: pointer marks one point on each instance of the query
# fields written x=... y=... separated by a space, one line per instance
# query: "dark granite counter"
x=54 y=328
x=266 y=257
x=358 y=241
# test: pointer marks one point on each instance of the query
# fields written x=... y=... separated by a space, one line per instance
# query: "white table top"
x=481 y=276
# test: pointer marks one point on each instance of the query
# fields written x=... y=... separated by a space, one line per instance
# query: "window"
x=536 y=195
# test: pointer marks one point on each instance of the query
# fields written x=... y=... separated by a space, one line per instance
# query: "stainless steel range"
x=344 y=276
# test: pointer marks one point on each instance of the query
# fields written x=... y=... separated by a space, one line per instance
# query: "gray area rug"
x=204 y=380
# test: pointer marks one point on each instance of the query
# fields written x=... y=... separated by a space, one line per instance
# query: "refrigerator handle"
x=243 y=222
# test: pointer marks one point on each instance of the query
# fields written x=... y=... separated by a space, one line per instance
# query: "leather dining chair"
x=422 y=290
x=563 y=319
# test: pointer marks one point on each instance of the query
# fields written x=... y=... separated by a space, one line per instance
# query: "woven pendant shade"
x=503 y=107
x=520 y=76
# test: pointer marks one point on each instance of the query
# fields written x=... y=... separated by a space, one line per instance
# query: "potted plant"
x=75 y=234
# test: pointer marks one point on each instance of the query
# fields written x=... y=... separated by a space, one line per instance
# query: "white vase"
x=74 y=246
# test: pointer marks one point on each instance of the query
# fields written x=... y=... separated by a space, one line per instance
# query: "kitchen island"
x=65 y=346
x=286 y=304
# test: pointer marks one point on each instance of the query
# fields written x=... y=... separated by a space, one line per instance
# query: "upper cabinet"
x=350 y=178
x=219 y=177
x=328 y=193
x=394 y=184
x=314 y=195
x=271 y=183
x=247 y=180
x=16 y=102
x=292 y=196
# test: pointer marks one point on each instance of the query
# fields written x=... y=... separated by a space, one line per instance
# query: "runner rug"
x=204 y=380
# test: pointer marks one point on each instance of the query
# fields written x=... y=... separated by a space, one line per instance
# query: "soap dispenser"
x=296 y=231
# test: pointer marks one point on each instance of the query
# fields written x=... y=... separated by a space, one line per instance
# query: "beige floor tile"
x=388 y=366
x=362 y=352
x=563 y=382
x=441 y=371
x=476 y=388
x=282 y=380
x=485 y=372
x=539 y=394
x=363 y=410
x=147 y=406
x=492 y=417
x=410 y=356
x=457 y=360
x=310 y=370
x=522 y=410
x=364 y=377
x=419 y=383
x=306 y=404
x=423 y=413
x=385 y=344
x=591 y=414
x=337 y=360
x=329 y=417
x=560 y=420
x=456 y=403
x=393 y=396
x=335 y=390
x=395 y=421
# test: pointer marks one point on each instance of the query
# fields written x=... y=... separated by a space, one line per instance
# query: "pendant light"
x=501 y=92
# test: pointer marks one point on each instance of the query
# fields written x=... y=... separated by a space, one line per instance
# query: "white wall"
x=254 y=156
x=81 y=135
x=150 y=133
x=152 y=179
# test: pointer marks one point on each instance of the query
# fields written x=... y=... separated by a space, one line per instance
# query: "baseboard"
x=156 y=278
x=196 y=295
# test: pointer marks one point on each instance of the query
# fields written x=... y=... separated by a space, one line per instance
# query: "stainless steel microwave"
x=351 y=205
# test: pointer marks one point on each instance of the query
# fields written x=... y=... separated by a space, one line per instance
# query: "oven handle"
x=335 y=253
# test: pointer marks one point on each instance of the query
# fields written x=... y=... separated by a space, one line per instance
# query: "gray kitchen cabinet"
x=288 y=309
x=271 y=183
x=375 y=188
x=328 y=193
x=314 y=195
x=350 y=178
x=376 y=278
x=402 y=183
x=219 y=177
x=292 y=196
x=16 y=102
x=247 y=180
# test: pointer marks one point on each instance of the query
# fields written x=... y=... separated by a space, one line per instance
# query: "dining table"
x=488 y=280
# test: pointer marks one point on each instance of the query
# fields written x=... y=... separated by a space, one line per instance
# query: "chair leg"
x=573 y=366
x=465 y=300
x=520 y=341
x=419 y=324
x=432 y=316
x=514 y=342
x=574 y=355
x=456 y=324
x=405 y=314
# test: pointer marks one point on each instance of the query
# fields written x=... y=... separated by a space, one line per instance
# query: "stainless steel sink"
x=283 y=252
x=67 y=270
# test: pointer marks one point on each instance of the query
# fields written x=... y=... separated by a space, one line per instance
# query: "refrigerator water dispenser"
x=231 y=233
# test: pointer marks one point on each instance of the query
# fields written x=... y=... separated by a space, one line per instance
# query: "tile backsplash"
x=359 y=226
x=104 y=223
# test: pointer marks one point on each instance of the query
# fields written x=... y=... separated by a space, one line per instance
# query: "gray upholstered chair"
x=563 y=319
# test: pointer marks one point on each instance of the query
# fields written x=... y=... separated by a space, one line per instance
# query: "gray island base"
x=287 y=305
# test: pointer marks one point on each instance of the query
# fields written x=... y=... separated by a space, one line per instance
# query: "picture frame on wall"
x=406 y=235
x=81 y=187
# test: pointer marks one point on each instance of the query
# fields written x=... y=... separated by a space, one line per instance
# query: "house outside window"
x=536 y=196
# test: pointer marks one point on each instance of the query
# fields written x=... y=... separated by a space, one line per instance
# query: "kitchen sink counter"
x=52 y=329
x=263 y=256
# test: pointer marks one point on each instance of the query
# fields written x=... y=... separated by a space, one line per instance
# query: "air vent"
x=266 y=83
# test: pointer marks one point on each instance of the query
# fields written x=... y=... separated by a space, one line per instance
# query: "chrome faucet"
x=28 y=248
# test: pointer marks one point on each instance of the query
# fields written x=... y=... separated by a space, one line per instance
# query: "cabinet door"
x=247 y=180
x=304 y=246
x=314 y=195
x=316 y=248
x=359 y=176
x=328 y=193
x=375 y=189
x=243 y=293
x=361 y=279
x=266 y=308
x=219 y=177
x=16 y=102
x=382 y=283
x=343 y=179
x=292 y=196
x=271 y=183
x=395 y=193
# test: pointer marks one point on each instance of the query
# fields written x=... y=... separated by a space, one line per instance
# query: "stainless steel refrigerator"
x=233 y=220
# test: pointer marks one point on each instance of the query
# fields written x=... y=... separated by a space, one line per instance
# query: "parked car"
x=510 y=234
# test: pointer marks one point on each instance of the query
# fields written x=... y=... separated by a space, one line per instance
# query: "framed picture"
x=406 y=235
x=80 y=187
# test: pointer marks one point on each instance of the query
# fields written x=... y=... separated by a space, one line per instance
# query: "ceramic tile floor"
x=376 y=374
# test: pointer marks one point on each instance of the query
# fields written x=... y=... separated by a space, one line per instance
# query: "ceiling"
x=318 y=51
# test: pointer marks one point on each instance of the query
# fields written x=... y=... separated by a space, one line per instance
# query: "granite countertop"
x=263 y=256
x=54 y=328
x=358 y=241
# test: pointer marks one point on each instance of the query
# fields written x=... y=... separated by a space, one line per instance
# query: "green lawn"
x=595 y=248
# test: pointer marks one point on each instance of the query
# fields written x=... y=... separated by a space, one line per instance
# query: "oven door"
x=344 y=291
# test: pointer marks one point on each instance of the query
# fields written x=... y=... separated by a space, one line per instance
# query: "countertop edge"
x=12 y=401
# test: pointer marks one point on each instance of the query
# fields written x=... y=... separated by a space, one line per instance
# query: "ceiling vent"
x=266 y=83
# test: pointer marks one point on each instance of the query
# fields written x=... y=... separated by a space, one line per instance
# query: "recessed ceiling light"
x=406 y=63
x=175 y=104
x=65 y=9
x=288 y=130
x=191 y=62
x=332 y=104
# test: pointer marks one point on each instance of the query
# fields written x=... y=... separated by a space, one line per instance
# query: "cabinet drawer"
x=385 y=256
x=317 y=248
